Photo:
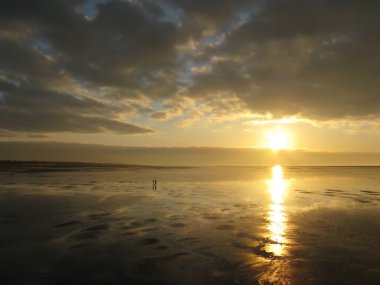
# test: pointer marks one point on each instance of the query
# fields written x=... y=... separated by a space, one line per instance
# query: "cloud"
x=49 y=50
x=34 y=110
x=159 y=115
x=90 y=66
x=315 y=58
x=50 y=121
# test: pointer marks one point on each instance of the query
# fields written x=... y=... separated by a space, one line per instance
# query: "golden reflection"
x=276 y=216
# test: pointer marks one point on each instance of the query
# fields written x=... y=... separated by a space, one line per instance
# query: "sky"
x=179 y=73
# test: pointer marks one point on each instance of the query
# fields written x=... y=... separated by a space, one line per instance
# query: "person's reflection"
x=276 y=216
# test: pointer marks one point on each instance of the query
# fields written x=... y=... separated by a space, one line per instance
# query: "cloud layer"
x=95 y=66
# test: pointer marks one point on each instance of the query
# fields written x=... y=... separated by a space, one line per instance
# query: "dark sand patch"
x=69 y=223
x=210 y=216
x=80 y=245
x=148 y=241
x=129 y=233
x=178 y=225
x=127 y=227
x=225 y=227
x=186 y=239
x=335 y=190
x=150 y=266
x=147 y=230
x=100 y=227
x=303 y=191
x=176 y=217
x=363 y=201
x=84 y=235
x=369 y=192
x=136 y=224
x=225 y=210
x=162 y=247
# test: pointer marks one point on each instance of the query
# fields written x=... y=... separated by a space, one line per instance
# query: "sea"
x=73 y=223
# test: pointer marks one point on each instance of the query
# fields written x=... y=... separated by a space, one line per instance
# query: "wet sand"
x=299 y=225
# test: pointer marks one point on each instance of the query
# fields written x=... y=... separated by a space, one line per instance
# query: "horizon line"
x=86 y=163
x=194 y=147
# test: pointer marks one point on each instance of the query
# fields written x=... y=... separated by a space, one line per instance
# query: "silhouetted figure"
x=154 y=184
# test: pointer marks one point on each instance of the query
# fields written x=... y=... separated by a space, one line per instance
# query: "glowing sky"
x=191 y=73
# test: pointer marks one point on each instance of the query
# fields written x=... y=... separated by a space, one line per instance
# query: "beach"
x=99 y=224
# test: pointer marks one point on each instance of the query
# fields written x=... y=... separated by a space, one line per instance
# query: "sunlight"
x=277 y=173
x=276 y=216
x=277 y=140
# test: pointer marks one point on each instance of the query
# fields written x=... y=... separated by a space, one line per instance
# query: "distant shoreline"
x=30 y=166
x=176 y=156
x=56 y=166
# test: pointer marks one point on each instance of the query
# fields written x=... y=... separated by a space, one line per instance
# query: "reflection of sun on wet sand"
x=277 y=226
x=270 y=265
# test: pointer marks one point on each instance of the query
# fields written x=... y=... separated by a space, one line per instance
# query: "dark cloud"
x=50 y=121
x=122 y=46
x=208 y=17
x=316 y=58
x=47 y=45
x=66 y=68
x=27 y=110
x=159 y=115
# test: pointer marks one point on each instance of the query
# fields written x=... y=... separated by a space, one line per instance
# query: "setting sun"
x=277 y=139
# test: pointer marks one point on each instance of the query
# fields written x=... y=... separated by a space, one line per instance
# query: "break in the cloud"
x=95 y=66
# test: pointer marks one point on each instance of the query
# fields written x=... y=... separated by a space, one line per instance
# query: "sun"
x=277 y=139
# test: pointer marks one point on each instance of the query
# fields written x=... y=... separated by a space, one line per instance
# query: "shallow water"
x=211 y=225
